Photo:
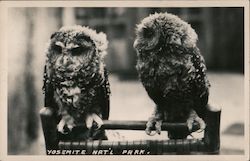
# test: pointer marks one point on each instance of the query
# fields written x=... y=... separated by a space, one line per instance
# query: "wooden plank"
x=148 y=146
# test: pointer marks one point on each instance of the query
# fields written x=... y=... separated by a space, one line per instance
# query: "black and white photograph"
x=151 y=80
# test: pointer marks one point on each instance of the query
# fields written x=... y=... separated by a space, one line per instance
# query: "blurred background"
x=221 y=41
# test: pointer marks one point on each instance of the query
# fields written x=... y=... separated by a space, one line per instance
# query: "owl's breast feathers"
x=174 y=75
x=86 y=90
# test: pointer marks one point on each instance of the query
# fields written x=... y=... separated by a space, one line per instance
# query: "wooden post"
x=212 y=131
x=49 y=128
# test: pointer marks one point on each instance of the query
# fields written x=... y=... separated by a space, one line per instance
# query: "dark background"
x=220 y=33
x=221 y=41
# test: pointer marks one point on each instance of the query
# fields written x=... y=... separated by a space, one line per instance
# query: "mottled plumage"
x=76 y=81
x=172 y=70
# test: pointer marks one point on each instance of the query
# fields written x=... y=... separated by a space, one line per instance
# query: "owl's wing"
x=201 y=84
x=106 y=94
x=48 y=89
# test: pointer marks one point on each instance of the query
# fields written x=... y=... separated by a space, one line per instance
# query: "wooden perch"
x=141 y=125
x=209 y=144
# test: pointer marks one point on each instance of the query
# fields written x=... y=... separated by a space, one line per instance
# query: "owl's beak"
x=66 y=60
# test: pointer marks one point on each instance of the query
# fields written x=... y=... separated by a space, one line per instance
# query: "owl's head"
x=161 y=29
x=75 y=47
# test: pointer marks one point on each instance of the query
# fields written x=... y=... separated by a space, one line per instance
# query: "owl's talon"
x=190 y=124
x=149 y=132
x=197 y=119
x=151 y=124
x=70 y=127
x=97 y=120
x=89 y=121
x=65 y=129
x=62 y=127
x=66 y=124
x=158 y=127
x=201 y=123
x=93 y=120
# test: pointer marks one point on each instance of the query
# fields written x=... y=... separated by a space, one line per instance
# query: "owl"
x=76 y=80
x=173 y=72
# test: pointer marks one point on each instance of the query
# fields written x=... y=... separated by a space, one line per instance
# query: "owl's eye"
x=57 y=48
x=78 y=50
x=147 y=32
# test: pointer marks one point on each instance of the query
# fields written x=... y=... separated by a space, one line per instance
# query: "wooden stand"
x=209 y=144
x=49 y=128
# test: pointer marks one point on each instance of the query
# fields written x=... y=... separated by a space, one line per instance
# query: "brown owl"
x=173 y=72
x=75 y=79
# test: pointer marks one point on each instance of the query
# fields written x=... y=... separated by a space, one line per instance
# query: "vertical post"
x=49 y=128
x=212 y=131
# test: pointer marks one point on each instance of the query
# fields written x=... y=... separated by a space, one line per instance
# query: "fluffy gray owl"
x=75 y=79
x=173 y=72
